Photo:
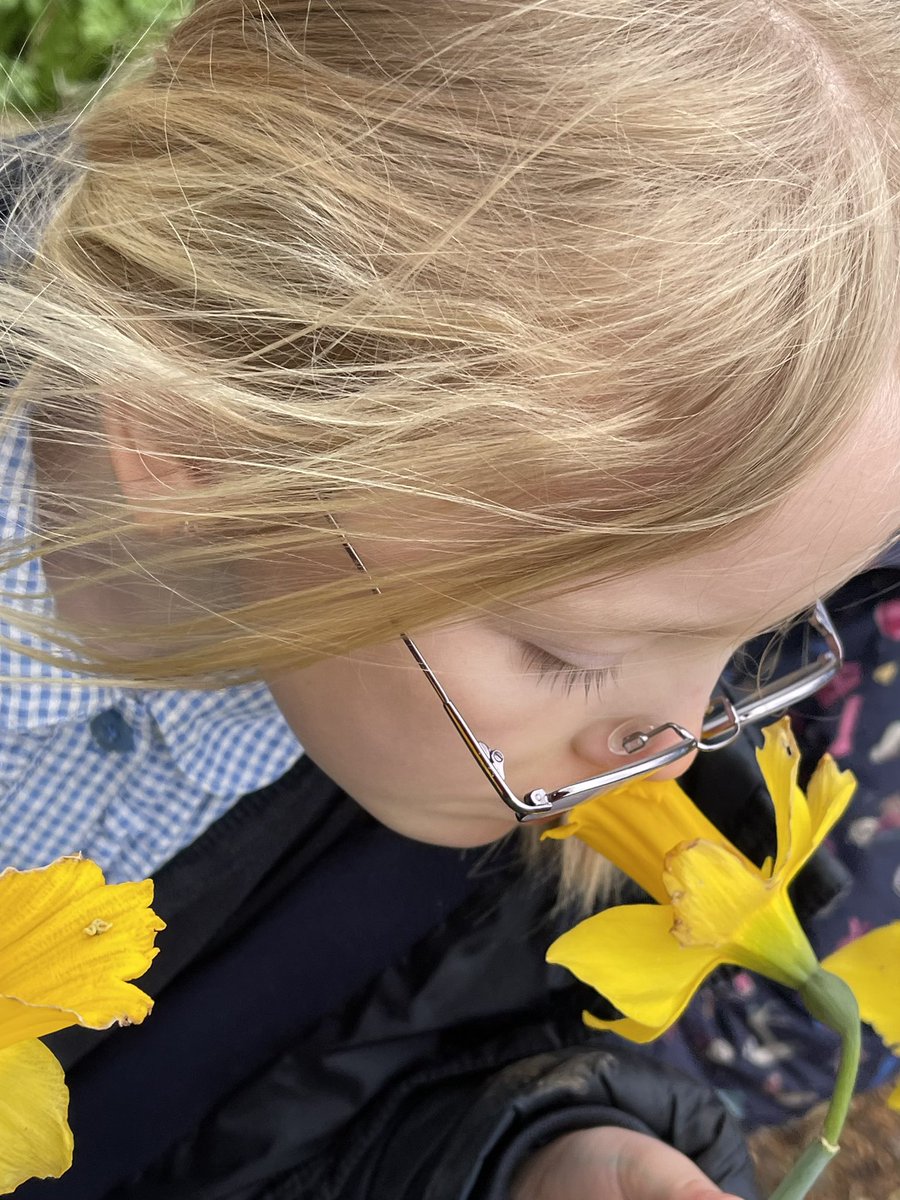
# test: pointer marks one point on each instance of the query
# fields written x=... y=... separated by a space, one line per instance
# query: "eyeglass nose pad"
x=630 y=739
x=631 y=736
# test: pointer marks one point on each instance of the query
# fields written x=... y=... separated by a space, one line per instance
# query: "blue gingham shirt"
x=125 y=777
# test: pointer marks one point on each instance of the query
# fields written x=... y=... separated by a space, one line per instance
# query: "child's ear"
x=153 y=481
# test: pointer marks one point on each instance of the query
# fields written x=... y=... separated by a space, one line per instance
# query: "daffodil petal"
x=734 y=911
x=779 y=761
x=69 y=942
x=894 y=1099
x=829 y=792
x=628 y=954
x=19 y=1021
x=625 y=1027
x=35 y=1139
x=635 y=826
x=871 y=967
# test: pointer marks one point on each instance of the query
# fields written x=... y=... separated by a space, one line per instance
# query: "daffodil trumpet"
x=714 y=906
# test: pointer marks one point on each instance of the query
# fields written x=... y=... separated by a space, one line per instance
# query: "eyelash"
x=551 y=668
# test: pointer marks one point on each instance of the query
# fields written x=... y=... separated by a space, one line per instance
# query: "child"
x=559 y=338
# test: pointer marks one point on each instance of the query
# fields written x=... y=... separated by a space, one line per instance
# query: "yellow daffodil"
x=68 y=945
x=714 y=905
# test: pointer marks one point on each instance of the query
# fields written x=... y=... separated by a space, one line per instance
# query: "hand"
x=611 y=1164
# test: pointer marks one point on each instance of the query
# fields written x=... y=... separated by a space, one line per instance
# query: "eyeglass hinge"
x=495 y=758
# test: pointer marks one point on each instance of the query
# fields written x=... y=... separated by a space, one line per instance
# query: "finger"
x=659 y=1172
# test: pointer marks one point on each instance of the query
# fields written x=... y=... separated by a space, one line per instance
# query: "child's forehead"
x=834 y=522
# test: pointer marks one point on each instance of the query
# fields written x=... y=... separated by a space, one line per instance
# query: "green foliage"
x=53 y=51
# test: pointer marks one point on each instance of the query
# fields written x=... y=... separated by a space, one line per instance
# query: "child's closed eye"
x=556 y=671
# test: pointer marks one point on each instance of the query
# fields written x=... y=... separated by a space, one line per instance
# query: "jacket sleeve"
x=464 y=1138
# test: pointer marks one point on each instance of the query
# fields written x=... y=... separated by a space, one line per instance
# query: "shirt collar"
x=200 y=728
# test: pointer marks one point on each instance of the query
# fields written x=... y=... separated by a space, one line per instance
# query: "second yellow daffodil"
x=69 y=944
x=714 y=905
x=870 y=965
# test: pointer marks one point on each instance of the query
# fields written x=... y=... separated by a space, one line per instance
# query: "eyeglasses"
x=722 y=724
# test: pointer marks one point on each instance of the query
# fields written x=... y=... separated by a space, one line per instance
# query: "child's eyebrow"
x=744 y=631
x=734 y=630
x=739 y=631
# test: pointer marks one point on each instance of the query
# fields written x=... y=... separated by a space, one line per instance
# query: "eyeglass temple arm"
x=489 y=761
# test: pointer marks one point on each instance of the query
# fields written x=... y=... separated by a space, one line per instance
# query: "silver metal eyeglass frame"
x=720 y=728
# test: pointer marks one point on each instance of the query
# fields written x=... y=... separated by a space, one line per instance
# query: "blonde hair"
x=563 y=289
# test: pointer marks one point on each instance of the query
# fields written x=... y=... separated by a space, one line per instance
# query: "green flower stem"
x=805 y=1171
x=832 y=1002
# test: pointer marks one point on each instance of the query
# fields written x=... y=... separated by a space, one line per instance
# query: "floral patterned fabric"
x=750 y=1038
